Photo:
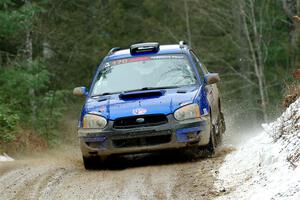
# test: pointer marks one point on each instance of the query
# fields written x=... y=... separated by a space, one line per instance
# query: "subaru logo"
x=140 y=120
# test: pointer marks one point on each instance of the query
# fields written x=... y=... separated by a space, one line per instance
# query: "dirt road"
x=152 y=176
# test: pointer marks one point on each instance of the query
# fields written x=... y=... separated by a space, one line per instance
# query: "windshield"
x=161 y=71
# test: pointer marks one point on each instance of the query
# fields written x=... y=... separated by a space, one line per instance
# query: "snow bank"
x=266 y=166
x=5 y=157
x=286 y=131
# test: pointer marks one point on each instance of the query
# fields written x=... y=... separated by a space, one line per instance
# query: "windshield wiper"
x=151 y=88
x=105 y=93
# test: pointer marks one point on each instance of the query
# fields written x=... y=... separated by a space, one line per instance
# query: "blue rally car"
x=146 y=98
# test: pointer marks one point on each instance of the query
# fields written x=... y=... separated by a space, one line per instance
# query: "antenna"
x=182 y=44
x=113 y=50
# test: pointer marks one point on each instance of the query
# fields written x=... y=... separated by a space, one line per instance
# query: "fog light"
x=191 y=136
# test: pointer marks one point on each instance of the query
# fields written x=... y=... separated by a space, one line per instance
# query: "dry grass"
x=25 y=143
x=292 y=94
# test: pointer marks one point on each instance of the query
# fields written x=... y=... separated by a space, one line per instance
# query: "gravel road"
x=169 y=175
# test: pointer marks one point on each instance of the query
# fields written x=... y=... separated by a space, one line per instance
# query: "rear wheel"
x=91 y=162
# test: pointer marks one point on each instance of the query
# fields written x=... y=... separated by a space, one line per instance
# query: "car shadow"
x=122 y=162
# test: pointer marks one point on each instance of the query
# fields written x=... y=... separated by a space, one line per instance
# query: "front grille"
x=142 y=141
x=145 y=120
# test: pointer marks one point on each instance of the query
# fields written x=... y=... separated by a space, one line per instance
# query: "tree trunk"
x=245 y=68
x=290 y=8
x=28 y=45
x=47 y=52
x=187 y=22
x=29 y=57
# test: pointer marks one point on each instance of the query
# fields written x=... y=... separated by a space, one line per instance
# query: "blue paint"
x=188 y=130
x=182 y=134
x=164 y=104
x=181 y=137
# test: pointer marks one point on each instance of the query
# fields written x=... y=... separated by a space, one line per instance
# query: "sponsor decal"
x=167 y=57
x=139 y=111
x=129 y=60
x=143 y=58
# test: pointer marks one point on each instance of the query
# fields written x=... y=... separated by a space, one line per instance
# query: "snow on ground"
x=266 y=166
x=5 y=157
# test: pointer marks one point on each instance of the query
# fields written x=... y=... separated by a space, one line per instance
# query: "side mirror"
x=211 y=78
x=80 y=91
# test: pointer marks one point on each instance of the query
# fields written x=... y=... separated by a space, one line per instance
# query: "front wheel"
x=220 y=129
x=222 y=123
x=209 y=149
x=91 y=162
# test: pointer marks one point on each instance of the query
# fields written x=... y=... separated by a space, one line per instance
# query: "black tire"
x=222 y=123
x=209 y=149
x=219 y=129
x=221 y=120
x=91 y=162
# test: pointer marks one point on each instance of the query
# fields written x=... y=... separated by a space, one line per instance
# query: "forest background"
x=48 y=47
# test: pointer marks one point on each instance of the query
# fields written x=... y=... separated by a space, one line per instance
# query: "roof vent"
x=143 y=48
x=141 y=94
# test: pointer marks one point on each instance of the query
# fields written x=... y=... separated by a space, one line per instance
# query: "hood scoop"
x=141 y=95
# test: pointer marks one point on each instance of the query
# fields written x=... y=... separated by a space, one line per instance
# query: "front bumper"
x=171 y=135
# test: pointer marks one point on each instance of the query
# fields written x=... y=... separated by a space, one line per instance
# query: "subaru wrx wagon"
x=149 y=97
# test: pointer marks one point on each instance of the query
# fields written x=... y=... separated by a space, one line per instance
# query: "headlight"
x=94 y=121
x=187 y=112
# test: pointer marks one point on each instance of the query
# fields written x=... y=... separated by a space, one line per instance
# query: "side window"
x=201 y=68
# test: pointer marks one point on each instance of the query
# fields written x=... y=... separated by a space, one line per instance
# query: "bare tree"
x=29 y=56
x=254 y=39
x=248 y=39
x=291 y=9
x=187 y=22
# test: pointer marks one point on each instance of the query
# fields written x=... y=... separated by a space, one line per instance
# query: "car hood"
x=114 y=106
